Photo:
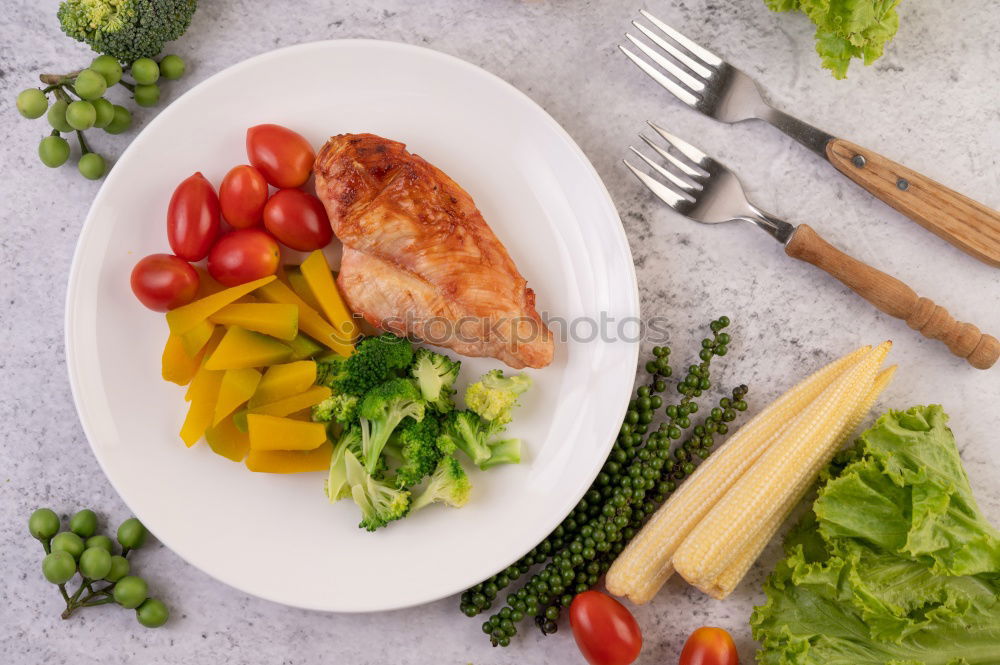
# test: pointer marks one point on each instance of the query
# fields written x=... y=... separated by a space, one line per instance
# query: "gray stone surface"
x=932 y=103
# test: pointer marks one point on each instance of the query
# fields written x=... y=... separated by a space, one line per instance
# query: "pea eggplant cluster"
x=78 y=104
x=105 y=574
x=639 y=475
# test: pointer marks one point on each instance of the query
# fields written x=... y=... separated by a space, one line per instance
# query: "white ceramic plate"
x=276 y=536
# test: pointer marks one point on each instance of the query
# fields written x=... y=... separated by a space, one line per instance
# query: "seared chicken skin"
x=419 y=259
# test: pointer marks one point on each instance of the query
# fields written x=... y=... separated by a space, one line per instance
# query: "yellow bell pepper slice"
x=176 y=365
x=224 y=439
x=310 y=321
x=195 y=339
x=277 y=320
x=285 y=380
x=241 y=348
x=274 y=433
x=187 y=317
x=290 y=461
x=316 y=272
x=204 y=392
x=203 y=355
x=304 y=347
x=298 y=283
x=295 y=403
x=237 y=387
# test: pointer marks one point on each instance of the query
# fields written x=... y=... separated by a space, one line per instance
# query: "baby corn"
x=645 y=564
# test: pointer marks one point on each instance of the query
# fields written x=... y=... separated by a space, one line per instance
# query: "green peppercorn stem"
x=639 y=475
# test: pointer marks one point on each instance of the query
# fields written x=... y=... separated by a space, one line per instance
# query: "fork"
x=706 y=82
x=704 y=190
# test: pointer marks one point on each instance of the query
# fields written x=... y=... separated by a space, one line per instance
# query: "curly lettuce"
x=846 y=29
x=895 y=564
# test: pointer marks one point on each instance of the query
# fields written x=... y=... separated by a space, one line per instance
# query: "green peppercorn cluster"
x=104 y=574
x=79 y=104
x=638 y=476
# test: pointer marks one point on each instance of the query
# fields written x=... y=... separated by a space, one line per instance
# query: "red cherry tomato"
x=282 y=156
x=162 y=282
x=605 y=630
x=298 y=220
x=193 y=218
x=709 y=646
x=242 y=256
x=242 y=196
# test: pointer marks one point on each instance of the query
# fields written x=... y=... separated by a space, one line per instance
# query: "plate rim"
x=73 y=282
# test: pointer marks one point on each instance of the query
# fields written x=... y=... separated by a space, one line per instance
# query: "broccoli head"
x=474 y=436
x=382 y=410
x=435 y=375
x=380 y=502
x=342 y=408
x=448 y=484
x=494 y=396
x=126 y=29
x=418 y=451
x=374 y=361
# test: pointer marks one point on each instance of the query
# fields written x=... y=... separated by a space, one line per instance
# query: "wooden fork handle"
x=895 y=298
x=970 y=226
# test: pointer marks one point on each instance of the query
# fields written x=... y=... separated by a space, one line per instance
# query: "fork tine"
x=676 y=90
x=694 y=66
x=704 y=54
x=669 y=196
x=681 y=183
x=694 y=173
x=685 y=148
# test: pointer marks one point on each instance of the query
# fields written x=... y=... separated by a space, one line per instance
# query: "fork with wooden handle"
x=704 y=190
x=709 y=84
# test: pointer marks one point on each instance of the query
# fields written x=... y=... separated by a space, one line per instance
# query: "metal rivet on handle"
x=903 y=184
x=859 y=161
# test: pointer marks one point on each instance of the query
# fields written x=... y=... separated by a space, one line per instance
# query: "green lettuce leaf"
x=846 y=29
x=894 y=565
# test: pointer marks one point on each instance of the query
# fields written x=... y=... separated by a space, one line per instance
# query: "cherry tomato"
x=605 y=630
x=193 y=218
x=242 y=256
x=163 y=281
x=709 y=646
x=283 y=157
x=298 y=220
x=242 y=196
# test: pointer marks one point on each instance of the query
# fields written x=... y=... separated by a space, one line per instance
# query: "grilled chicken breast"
x=419 y=259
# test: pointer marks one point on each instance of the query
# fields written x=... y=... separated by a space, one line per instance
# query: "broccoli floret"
x=474 y=436
x=126 y=29
x=374 y=361
x=341 y=408
x=494 y=396
x=381 y=411
x=448 y=484
x=418 y=451
x=379 y=501
x=336 y=486
x=503 y=451
x=435 y=375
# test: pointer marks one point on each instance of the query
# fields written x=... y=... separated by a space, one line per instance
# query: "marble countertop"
x=932 y=103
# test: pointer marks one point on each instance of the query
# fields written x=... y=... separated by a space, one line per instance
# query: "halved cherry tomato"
x=162 y=282
x=242 y=196
x=282 y=156
x=242 y=256
x=193 y=218
x=709 y=646
x=298 y=220
x=604 y=629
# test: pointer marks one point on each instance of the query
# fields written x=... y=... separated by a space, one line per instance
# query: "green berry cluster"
x=79 y=104
x=639 y=475
x=104 y=574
